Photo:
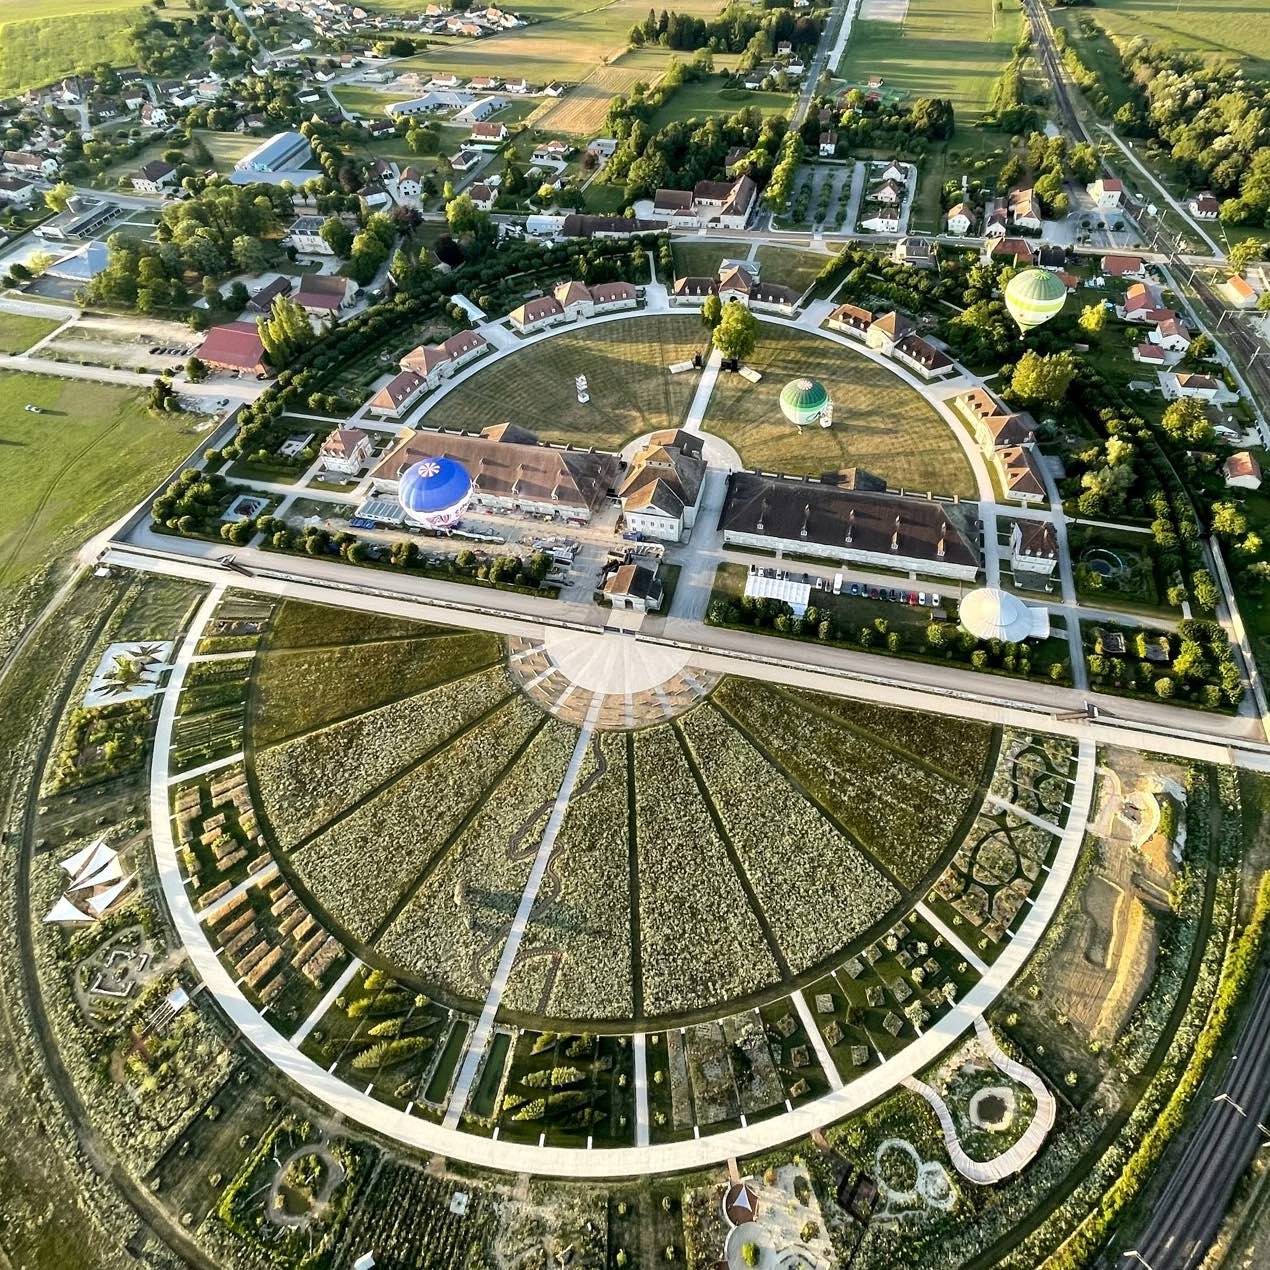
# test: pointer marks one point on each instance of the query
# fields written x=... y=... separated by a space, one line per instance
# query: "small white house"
x=959 y=220
x=1107 y=193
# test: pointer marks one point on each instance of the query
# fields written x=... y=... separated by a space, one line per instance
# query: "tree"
x=737 y=332
x=1042 y=379
x=1242 y=253
x=1229 y=520
x=195 y=370
x=59 y=196
x=463 y=216
x=1185 y=420
x=1093 y=317
x=712 y=311
x=336 y=234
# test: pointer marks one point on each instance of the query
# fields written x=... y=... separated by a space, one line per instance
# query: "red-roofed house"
x=235 y=347
x=346 y=450
x=397 y=394
x=1242 y=471
x=1204 y=206
x=1124 y=266
x=1240 y=292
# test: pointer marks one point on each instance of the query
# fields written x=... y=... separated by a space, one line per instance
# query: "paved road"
x=819 y=62
x=1189 y=1210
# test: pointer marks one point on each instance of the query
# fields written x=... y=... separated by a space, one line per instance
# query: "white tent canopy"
x=991 y=613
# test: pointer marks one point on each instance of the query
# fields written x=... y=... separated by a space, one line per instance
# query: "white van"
x=837 y=584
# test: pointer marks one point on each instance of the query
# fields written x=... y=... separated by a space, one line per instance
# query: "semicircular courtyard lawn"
x=879 y=422
x=755 y=842
x=628 y=379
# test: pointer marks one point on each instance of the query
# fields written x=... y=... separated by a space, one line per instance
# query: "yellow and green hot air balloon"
x=1033 y=296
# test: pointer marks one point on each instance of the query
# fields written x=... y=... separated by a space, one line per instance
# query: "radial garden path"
x=630 y=1161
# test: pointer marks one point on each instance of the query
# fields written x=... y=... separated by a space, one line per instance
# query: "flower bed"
x=818 y=891
x=452 y=932
x=700 y=943
x=583 y=912
x=308 y=779
x=903 y=814
x=358 y=867
x=308 y=688
x=959 y=747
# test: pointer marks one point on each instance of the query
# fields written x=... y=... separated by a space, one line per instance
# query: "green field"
x=371 y=102
x=1225 y=28
x=710 y=97
x=789 y=266
x=879 y=423
x=66 y=473
x=625 y=363
x=18 y=333
x=943 y=48
x=226 y=148
x=40 y=42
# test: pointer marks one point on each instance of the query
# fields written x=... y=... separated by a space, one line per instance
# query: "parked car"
x=921 y=597
x=854 y=589
x=873 y=593
x=912 y=599
x=934 y=599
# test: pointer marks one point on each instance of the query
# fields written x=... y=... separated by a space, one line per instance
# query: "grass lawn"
x=18 y=333
x=226 y=148
x=702 y=259
x=879 y=423
x=69 y=471
x=372 y=102
x=39 y=42
x=625 y=363
x=943 y=48
x=1225 y=28
x=698 y=101
x=789 y=266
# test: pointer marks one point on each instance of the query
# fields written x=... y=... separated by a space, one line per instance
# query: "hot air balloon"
x=1033 y=296
x=804 y=401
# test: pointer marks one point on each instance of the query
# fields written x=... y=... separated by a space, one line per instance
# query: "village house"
x=487 y=135
x=728 y=204
x=435 y=362
x=662 y=489
x=234 y=347
x=1121 y=266
x=1242 y=471
x=324 y=294
x=959 y=219
x=1107 y=193
x=1189 y=384
x=1239 y=292
x=635 y=587
x=1204 y=206
x=346 y=451
x=1033 y=548
x=154 y=177
x=398 y=394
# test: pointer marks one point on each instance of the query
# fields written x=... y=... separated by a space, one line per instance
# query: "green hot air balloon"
x=1033 y=296
x=804 y=401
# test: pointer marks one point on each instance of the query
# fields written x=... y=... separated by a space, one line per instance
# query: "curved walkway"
x=1009 y=1162
x=633 y=1161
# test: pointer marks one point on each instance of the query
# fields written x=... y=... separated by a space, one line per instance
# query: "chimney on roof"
x=762 y=516
x=802 y=533
x=895 y=537
x=851 y=525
